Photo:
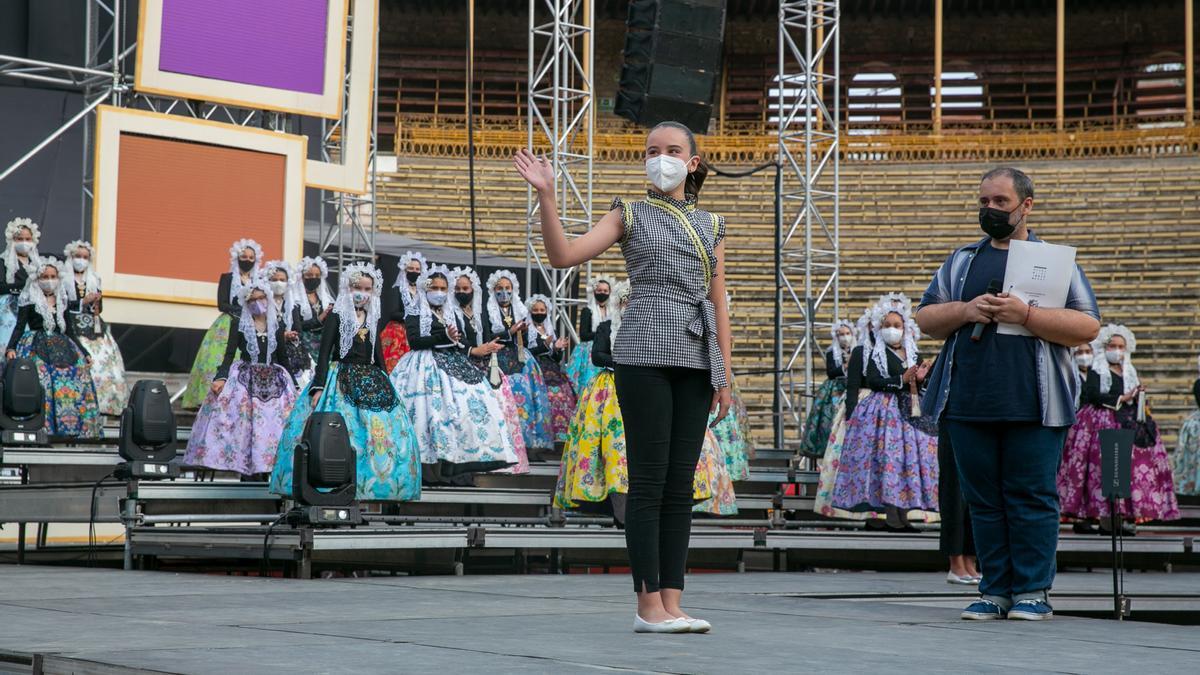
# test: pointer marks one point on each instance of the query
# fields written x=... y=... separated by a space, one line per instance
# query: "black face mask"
x=464 y=299
x=245 y=265
x=538 y=318
x=311 y=285
x=601 y=298
x=994 y=222
x=412 y=277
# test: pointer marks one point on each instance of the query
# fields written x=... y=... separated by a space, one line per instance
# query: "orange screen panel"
x=180 y=205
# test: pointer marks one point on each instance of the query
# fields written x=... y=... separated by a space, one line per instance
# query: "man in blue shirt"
x=1006 y=401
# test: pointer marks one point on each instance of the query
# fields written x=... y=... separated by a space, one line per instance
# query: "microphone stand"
x=1120 y=602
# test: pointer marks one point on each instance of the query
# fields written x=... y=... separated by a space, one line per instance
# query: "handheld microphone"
x=992 y=289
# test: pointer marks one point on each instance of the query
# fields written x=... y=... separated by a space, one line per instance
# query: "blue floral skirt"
x=580 y=368
x=733 y=434
x=388 y=462
x=829 y=398
x=8 y=319
x=71 y=408
x=533 y=403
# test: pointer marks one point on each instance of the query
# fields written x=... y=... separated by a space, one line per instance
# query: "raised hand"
x=536 y=171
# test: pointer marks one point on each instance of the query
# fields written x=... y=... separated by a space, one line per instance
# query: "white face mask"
x=845 y=341
x=79 y=264
x=23 y=247
x=48 y=286
x=360 y=298
x=892 y=336
x=1083 y=360
x=1114 y=356
x=665 y=172
x=278 y=288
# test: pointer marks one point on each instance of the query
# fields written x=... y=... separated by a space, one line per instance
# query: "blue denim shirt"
x=1055 y=367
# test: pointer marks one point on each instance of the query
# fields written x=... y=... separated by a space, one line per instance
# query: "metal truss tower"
x=807 y=207
x=560 y=116
x=350 y=236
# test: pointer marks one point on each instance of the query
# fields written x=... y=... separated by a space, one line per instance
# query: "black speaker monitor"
x=672 y=67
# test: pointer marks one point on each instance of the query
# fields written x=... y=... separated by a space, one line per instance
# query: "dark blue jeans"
x=1007 y=471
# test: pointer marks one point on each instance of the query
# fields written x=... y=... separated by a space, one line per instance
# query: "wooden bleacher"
x=1113 y=88
x=1133 y=220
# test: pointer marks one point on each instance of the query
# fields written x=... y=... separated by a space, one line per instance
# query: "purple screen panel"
x=269 y=43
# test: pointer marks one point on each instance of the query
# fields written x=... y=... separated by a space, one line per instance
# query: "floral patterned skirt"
x=1080 y=489
x=8 y=319
x=388 y=463
x=580 y=368
x=712 y=487
x=594 y=464
x=561 y=395
x=512 y=418
x=208 y=359
x=733 y=435
x=71 y=409
x=1185 y=461
x=823 y=502
x=830 y=397
x=394 y=342
x=593 y=459
x=460 y=424
x=533 y=404
x=108 y=372
x=311 y=339
x=886 y=459
x=238 y=429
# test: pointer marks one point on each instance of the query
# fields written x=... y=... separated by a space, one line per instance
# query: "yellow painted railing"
x=497 y=139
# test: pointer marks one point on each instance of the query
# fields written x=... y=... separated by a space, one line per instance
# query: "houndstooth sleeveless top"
x=670 y=320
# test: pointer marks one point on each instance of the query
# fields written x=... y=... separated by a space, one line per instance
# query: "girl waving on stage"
x=671 y=356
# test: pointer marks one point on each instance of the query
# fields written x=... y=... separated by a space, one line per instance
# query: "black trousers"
x=665 y=411
x=955 y=536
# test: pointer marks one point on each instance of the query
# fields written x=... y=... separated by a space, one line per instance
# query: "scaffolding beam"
x=560 y=118
x=807 y=204
x=347 y=221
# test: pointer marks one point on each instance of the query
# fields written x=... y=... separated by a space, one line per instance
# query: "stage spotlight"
x=324 y=477
x=22 y=405
x=148 y=434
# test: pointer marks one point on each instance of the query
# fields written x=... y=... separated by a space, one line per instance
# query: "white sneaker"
x=640 y=625
x=965 y=580
x=698 y=625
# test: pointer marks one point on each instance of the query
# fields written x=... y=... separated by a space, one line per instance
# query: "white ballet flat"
x=698 y=625
x=965 y=580
x=640 y=625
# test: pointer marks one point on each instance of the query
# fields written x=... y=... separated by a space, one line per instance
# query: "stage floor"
x=862 y=622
